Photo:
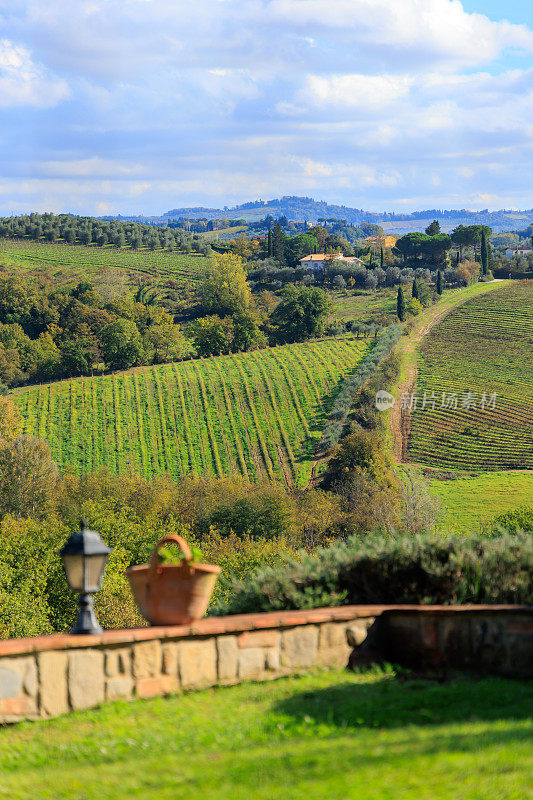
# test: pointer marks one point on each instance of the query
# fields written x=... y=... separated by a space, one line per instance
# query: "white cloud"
x=361 y=91
x=315 y=169
x=440 y=28
x=24 y=83
x=89 y=168
x=367 y=102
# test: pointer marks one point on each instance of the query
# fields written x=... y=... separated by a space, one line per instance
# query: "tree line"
x=70 y=332
x=433 y=247
x=90 y=231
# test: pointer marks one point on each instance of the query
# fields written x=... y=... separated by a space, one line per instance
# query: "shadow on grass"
x=392 y=702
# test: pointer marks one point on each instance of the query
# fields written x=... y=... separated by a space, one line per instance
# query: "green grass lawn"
x=325 y=736
x=467 y=503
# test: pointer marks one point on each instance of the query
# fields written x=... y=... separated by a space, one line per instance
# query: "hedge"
x=403 y=569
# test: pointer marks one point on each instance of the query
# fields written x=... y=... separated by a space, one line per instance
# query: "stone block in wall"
x=227 y=652
x=118 y=662
x=18 y=674
x=252 y=662
x=10 y=681
x=147 y=659
x=18 y=688
x=197 y=663
x=169 y=652
x=272 y=659
x=156 y=686
x=519 y=640
x=299 y=646
x=13 y=709
x=86 y=683
x=266 y=638
x=53 y=683
x=119 y=688
x=357 y=632
x=489 y=645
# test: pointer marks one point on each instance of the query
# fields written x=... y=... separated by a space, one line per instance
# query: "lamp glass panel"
x=74 y=571
x=95 y=570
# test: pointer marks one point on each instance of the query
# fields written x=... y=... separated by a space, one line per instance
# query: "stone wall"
x=499 y=641
x=51 y=675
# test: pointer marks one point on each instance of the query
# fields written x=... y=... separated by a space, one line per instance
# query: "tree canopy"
x=301 y=314
x=226 y=289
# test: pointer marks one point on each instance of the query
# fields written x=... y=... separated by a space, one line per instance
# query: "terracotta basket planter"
x=172 y=594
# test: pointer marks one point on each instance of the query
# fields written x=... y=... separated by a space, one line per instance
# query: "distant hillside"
x=300 y=209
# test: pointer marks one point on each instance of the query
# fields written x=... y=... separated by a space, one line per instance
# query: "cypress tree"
x=439 y=282
x=415 y=293
x=457 y=258
x=278 y=244
x=269 y=246
x=382 y=261
x=400 y=304
x=484 y=253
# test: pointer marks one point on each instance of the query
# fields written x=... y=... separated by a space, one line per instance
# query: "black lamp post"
x=84 y=558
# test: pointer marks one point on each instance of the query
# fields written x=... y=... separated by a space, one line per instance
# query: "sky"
x=140 y=106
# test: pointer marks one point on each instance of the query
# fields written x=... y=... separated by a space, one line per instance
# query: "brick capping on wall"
x=45 y=676
x=209 y=626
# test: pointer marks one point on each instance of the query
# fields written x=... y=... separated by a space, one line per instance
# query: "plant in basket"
x=175 y=587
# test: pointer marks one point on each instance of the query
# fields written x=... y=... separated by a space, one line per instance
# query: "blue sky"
x=138 y=106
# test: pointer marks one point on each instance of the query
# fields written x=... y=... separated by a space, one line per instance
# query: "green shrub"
x=403 y=569
x=520 y=520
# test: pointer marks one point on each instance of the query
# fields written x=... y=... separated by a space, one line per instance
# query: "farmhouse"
x=524 y=250
x=320 y=260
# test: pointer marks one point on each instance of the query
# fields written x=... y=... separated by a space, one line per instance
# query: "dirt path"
x=400 y=418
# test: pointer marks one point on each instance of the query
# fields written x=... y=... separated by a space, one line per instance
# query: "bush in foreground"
x=405 y=569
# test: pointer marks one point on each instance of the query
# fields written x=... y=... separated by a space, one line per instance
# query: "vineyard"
x=65 y=264
x=257 y=414
x=480 y=356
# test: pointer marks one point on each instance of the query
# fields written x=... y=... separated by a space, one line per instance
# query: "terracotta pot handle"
x=171 y=537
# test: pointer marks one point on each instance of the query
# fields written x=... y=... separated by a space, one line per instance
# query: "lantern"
x=84 y=559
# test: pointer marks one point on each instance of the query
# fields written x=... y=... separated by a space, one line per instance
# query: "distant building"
x=525 y=250
x=319 y=260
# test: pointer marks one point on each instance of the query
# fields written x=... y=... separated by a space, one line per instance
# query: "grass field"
x=481 y=347
x=257 y=414
x=363 y=307
x=468 y=503
x=65 y=265
x=325 y=736
x=225 y=233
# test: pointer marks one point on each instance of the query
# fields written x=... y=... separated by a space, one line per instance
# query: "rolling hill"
x=300 y=209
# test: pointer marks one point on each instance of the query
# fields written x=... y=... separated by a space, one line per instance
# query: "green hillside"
x=65 y=264
x=470 y=502
x=481 y=348
x=257 y=414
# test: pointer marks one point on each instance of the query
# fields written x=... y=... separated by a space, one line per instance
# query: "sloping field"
x=481 y=353
x=65 y=264
x=257 y=414
x=468 y=503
